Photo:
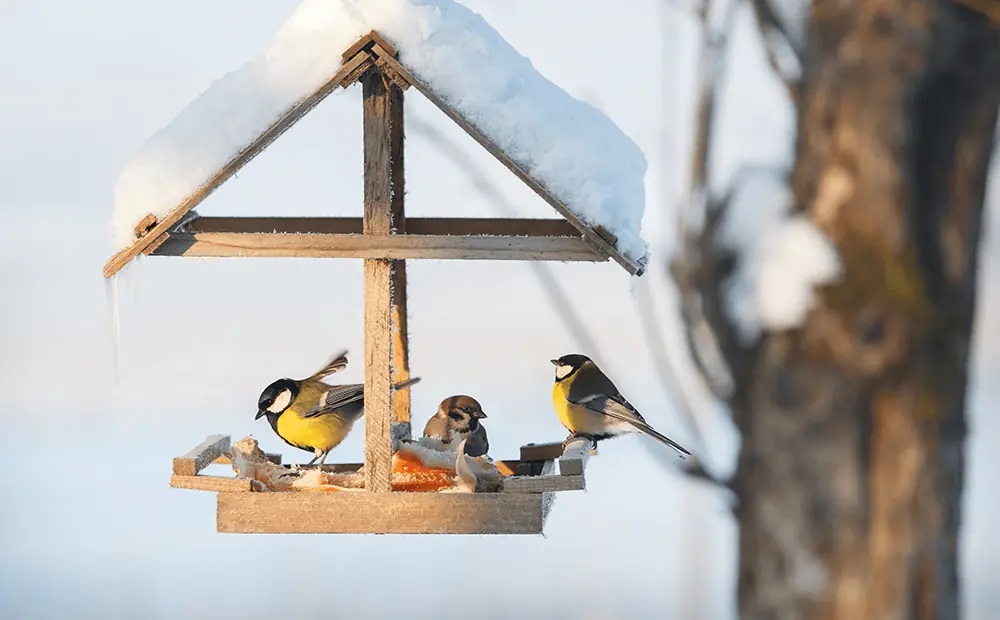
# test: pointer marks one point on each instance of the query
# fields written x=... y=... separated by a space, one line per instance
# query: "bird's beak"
x=480 y=414
x=554 y=362
x=260 y=413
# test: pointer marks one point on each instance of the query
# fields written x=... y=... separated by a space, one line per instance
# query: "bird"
x=314 y=416
x=589 y=405
x=460 y=414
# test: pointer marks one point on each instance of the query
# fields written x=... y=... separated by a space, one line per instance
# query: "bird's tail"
x=652 y=432
x=406 y=384
x=338 y=363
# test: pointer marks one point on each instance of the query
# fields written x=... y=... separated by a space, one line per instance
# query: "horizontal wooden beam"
x=351 y=512
x=499 y=227
x=201 y=456
x=219 y=484
x=544 y=482
x=441 y=247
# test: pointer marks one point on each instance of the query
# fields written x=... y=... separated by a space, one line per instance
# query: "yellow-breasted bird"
x=311 y=415
x=460 y=414
x=589 y=405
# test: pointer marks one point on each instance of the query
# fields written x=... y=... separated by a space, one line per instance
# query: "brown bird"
x=460 y=414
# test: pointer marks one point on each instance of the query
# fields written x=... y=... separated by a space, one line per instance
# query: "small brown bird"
x=460 y=414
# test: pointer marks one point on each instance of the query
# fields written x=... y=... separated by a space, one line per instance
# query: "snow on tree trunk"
x=851 y=469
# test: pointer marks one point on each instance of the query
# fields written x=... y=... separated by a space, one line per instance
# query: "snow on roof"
x=572 y=148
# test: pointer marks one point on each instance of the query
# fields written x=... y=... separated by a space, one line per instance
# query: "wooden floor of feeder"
x=519 y=507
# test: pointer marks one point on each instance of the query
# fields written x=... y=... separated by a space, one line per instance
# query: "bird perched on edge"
x=460 y=414
x=311 y=415
x=589 y=405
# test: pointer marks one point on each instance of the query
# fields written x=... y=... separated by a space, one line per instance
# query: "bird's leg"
x=323 y=459
x=318 y=454
x=571 y=437
x=591 y=438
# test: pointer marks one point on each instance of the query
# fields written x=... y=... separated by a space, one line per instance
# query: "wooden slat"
x=544 y=482
x=380 y=513
x=122 y=258
x=366 y=42
x=541 y=451
x=590 y=235
x=497 y=227
x=201 y=456
x=573 y=461
x=383 y=136
x=219 y=484
x=434 y=247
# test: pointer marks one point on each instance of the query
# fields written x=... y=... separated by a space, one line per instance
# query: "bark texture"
x=851 y=469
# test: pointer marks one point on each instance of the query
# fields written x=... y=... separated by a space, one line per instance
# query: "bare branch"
x=709 y=339
x=775 y=35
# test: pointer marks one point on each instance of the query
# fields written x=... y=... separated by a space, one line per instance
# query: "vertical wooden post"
x=385 y=280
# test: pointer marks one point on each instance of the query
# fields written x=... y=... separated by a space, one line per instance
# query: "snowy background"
x=88 y=525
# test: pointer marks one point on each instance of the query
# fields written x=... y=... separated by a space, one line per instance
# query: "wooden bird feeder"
x=385 y=239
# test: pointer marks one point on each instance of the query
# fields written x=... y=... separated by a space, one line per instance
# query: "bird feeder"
x=385 y=239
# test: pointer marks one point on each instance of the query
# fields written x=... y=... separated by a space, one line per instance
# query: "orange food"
x=409 y=474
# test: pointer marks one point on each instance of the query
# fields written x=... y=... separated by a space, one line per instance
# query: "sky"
x=89 y=526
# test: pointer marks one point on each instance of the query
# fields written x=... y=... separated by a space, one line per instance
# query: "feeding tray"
x=519 y=505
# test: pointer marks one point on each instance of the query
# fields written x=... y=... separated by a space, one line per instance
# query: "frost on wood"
x=572 y=148
x=781 y=259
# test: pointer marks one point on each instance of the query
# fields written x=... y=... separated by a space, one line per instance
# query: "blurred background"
x=103 y=383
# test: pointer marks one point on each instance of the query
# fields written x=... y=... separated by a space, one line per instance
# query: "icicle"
x=633 y=288
x=114 y=317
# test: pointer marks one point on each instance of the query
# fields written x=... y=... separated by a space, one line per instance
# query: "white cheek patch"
x=281 y=402
x=563 y=371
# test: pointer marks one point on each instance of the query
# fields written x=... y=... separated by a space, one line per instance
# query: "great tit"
x=589 y=405
x=311 y=415
x=460 y=414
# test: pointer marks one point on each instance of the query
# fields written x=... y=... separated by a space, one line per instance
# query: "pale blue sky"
x=89 y=524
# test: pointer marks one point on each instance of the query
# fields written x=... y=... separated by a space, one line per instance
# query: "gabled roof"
x=371 y=51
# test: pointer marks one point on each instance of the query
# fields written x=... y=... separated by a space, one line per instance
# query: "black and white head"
x=277 y=397
x=463 y=413
x=569 y=364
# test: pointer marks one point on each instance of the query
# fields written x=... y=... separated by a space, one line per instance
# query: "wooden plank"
x=201 y=456
x=544 y=482
x=497 y=227
x=573 y=461
x=380 y=513
x=366 y=42
x=541 y=451
x=219 y=484
x=122 y=258
x=383 y=145
x=358 y=71
x=434 y=247
x=590 y=235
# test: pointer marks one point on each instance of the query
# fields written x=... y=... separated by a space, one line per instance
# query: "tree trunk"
x=851 y=469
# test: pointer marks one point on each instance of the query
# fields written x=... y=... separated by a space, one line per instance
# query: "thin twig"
x=771 y=28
